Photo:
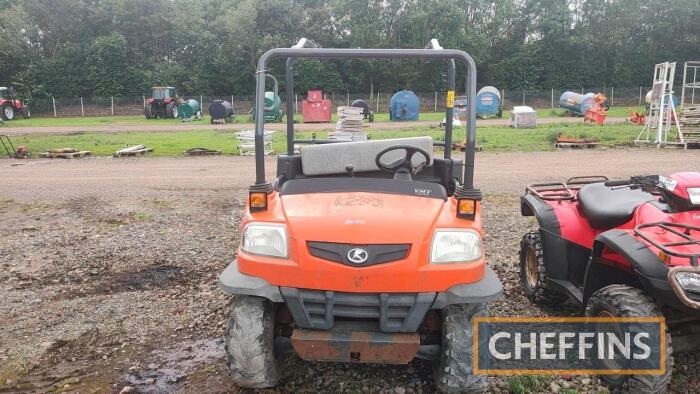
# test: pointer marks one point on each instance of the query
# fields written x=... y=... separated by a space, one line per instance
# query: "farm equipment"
x=488 y=103
x=404 y=105
x=221 y=111
x=189 y=110
x=21 y=152
x=11 y=106
x=316 y=108
x=272 y=103
x=366 y=113
x=598 y=112
x=367 y=252
x=621 y=248
x=162 y=103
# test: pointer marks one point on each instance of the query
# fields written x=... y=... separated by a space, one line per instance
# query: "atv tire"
x=535 y=283
x=626 y=301
x=453 y=372
x=249 y=343
x=7 y=113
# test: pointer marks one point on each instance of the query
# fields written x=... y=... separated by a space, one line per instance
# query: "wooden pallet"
x=137 y=152
x=576 y=145
x=202 y=152
x=65 y=155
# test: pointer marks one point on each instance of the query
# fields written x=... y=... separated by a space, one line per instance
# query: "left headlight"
x=694 y=195
x=455 y=246
x=265 y=239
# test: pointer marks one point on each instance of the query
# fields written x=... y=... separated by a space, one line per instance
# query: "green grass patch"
x=489 y=138
x=522 y=384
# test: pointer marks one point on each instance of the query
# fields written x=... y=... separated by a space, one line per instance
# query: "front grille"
x=376 y=253
x=395 y=312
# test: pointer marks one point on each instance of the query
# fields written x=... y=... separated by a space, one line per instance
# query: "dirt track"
x=108 y=271
x=178 y=126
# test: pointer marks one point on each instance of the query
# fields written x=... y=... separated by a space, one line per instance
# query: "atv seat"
x=327 y=159
x=605 y=207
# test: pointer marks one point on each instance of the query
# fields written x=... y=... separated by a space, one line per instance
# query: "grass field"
x=489 y=138
x=140 y=120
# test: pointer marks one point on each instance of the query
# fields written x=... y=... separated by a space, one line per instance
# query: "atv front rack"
x=562 y=191
x=683 y=231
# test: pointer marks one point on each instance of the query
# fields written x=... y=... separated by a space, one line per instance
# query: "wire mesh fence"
x=377 y=101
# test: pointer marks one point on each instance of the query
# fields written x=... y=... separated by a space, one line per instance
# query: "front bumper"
x=396 y=312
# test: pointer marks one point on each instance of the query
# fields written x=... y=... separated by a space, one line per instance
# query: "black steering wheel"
x=404 y=164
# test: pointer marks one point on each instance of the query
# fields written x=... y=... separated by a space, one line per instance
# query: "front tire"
x=453 y=373
x=249 y=343
x=533 y=272
x=626 y=301
x=26 y=112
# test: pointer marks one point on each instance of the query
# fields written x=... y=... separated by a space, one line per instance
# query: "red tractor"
x=10 y=105
x=162 y=103
x=624 y=248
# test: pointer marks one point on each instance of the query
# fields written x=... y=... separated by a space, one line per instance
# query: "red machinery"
x=597 y=112
x=316 y=108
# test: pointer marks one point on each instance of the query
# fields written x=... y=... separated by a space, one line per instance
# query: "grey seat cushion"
x=329 y=159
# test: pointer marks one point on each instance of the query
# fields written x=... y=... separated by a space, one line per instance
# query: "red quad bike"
x=11 y=106
x=621 y=248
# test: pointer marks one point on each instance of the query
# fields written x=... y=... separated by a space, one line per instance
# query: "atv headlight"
x=455 y=246
x=265 y=240
x=689 y=281
x=694 y=194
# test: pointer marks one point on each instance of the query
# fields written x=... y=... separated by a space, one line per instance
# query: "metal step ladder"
x=662 y=120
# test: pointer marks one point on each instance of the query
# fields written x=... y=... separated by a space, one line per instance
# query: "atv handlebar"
x=618 y=182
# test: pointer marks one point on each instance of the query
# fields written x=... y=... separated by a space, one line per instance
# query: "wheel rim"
x=9 y=113
x=531 y=267
x=611 y=364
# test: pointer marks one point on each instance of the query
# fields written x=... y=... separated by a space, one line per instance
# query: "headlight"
x=694 y=194
x=265 y=239
x=689 y=281
x=455 y=246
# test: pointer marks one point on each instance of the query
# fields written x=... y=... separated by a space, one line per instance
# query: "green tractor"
x=162 y=103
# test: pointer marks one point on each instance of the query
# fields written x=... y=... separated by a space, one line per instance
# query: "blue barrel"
x=488 y=102
x=577 y=103
x=404 y=105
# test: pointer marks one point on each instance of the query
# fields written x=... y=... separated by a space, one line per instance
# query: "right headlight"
x=694 y=195
x=265 y=239
x=689 y=281
x=455 y=246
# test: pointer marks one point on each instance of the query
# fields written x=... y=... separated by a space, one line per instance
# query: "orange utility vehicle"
x=366 y=252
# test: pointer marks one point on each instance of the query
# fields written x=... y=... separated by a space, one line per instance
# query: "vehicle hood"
x=361 y=218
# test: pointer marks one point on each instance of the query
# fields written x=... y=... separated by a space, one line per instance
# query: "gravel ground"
x=180 y=126
x=108 y=273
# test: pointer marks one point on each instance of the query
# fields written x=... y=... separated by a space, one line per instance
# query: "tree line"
x=70 y=48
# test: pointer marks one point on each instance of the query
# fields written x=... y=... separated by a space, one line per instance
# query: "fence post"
x=82 y=108
x=435 y=110
x=55 y=115
x=348 y=101
x=377 y=101
x=503 y=98
x=201 y=103
x=581 y=90
x=296 y=103
x=640 y=96
x=231 y=100
x=112 y=105
x=523 y=97
x=612 y=96
x=144 y=101
x=552 y=106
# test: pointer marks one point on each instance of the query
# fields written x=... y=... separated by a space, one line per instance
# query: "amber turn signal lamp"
x=257 y=201
x=466 y=208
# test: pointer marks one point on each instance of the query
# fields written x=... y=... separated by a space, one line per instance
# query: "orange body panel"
x=361 y=218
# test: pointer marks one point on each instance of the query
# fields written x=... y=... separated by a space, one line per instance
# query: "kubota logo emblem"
x=357 y=255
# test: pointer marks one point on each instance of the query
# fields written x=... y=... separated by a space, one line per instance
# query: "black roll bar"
x=451 y=55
